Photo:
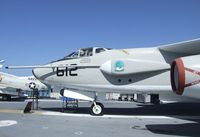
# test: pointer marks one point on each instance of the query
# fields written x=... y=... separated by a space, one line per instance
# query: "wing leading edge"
x=186 y=48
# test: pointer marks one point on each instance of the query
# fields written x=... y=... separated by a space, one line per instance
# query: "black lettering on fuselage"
x=60 y=72
x=72 y=72
x=66 y=71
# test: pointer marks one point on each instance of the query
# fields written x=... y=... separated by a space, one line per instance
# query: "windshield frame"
x=76 y=54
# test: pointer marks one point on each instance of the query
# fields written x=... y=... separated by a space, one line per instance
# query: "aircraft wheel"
x=97 y=110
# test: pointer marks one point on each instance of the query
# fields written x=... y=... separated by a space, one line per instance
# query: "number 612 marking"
x=66 y=72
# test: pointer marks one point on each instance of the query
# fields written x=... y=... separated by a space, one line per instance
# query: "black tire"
x=100 y=108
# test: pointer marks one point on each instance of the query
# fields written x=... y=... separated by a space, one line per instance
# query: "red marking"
x=181 y=76
x=193 y=71
x=194 y=82
x=179 y=89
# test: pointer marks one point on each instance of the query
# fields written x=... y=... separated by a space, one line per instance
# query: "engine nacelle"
x=121 y=67
x=185 y=76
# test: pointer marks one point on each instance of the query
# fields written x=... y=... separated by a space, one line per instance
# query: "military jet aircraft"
x=11 y=85
x=174 y=67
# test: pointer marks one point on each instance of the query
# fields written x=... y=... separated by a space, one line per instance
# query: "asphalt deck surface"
x=121 y=119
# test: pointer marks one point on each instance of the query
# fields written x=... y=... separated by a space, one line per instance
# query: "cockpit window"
x=86 y=52
x=99 y=50
x=72 y=55
x=75 y=55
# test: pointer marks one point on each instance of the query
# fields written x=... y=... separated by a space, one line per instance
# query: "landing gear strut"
x=97 y=109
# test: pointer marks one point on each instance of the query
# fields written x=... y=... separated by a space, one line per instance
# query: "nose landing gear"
x=97 y=109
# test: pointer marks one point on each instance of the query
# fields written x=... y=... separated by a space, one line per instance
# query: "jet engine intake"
x=185 y=76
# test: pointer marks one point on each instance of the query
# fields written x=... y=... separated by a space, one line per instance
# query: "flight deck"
x=120 y=119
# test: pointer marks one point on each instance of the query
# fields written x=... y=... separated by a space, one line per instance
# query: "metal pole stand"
x=33 y=96
x=37 y=98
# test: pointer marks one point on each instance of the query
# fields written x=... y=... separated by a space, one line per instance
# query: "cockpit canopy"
x=87 y=52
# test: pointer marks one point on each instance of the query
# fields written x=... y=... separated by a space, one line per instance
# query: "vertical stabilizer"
x=1 y=63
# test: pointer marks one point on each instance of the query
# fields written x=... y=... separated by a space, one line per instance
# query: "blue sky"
x=39 y=31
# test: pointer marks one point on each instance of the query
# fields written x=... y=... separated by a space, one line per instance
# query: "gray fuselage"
x=87 y=75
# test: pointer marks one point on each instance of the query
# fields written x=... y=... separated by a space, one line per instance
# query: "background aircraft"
x=138 y=70
x=11 y=85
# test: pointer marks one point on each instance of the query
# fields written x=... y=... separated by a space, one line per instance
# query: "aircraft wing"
x=8 y=91
x=2 y=87
x=185 y=48
x=50 y=66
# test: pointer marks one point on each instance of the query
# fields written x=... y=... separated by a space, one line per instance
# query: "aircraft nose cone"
x=42 y=74
x=37 y=73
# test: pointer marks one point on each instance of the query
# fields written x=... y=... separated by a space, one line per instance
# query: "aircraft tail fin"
x=1 y=63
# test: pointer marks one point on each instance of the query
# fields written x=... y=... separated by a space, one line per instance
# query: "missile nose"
x=62 y=92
